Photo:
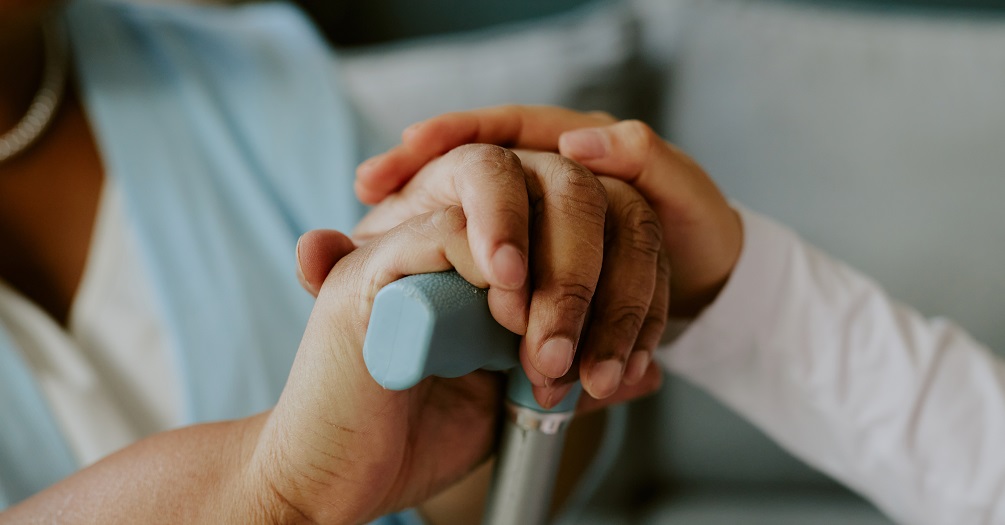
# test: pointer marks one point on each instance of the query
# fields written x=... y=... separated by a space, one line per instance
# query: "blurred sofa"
x=874 y=129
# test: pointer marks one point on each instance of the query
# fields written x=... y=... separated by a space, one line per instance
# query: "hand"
x=702 y=233
x=595 y=250
x=338 y=448
x=529 y=127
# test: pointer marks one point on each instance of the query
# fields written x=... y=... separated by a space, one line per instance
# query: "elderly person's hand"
x=338 y=448
x=572 y=230
x=573 y=262
x=702 y=234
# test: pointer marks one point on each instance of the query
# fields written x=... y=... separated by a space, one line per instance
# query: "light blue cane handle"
x=438 y=324
x=434 y=324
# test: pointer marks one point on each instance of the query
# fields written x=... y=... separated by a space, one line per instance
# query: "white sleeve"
x=907 y=411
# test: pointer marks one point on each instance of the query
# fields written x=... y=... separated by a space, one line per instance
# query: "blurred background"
x=873 y=128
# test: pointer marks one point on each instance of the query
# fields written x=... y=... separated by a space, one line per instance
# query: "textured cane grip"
x=434 y=324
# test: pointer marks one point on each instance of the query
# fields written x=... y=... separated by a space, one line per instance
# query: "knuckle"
x=450 y=220
x=574 y=299
x=634 y=221
x=652 y=327
x=640 y=132
x=562 y=169
x=655 y=320
x=625 y=322
x=657 y=316
x=642 y=140
x=645 y=233
x=486 y=154
x=486 y=165
x=576 y=189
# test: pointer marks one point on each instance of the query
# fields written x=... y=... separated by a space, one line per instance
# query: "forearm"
x=198 y=474
x=905 y=410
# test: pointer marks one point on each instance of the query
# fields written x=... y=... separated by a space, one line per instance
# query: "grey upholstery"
x=875 y=133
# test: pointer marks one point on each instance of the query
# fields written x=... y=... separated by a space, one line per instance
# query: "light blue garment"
x=228 y=137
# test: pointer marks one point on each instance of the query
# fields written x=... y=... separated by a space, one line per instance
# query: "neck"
x=21 y=66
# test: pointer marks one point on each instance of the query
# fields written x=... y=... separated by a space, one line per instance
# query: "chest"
x=48 y=201
x=107 y=375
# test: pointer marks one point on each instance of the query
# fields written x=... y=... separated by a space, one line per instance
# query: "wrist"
x=276 y=479
x=253 y=495
x=709 y=254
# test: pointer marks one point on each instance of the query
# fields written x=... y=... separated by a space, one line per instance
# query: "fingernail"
x=540 y=395
x=584 y=144
x=555 y=357
x=605 y=377
x=556 y=395
x=363 y=191
x=636 y=367
x=300 y=270
x=509 y=267
x=529 y=367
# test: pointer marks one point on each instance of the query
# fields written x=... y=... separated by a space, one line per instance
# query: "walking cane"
x=439 y=325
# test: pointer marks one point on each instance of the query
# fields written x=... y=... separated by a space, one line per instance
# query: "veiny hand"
x=581 y=258
x=702 y=234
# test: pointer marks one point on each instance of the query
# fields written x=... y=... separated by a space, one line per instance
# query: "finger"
x=331 y=403
x=317 y=253
x=386 y=173
x=551 y=391
x=530 y=127
x=535 y=377
x=633 y=152
x=650 y=383
x=489 y=183
x=653 y=326
x=526 y=127
x=431 y=242
x=566 y=256
x=706 y=233
x=633 y=241
x=628 y=311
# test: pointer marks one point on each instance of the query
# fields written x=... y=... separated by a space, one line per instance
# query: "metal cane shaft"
x=524 y=479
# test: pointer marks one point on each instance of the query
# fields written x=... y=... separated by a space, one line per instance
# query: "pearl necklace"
x=47 y=99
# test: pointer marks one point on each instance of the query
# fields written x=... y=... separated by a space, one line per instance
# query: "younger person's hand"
x=702 y=233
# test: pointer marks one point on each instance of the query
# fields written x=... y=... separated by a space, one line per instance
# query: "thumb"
x=631 y=151
x=317 y=253
x=702 y=233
